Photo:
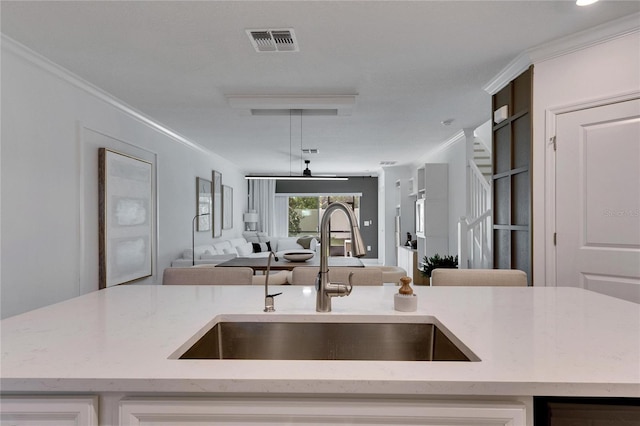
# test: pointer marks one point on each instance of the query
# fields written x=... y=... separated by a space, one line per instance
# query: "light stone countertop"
x=531 y=341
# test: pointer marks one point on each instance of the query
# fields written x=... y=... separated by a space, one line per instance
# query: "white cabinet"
x=49 y=411
x=408 y=260
x=316 y=412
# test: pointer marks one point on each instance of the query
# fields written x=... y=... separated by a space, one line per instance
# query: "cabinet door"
x=49 y=411
x=315 y=412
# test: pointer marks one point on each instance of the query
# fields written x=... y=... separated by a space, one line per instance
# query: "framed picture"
x=217 y=204
x=227 y=207
x=203 y=204
x=125 y=218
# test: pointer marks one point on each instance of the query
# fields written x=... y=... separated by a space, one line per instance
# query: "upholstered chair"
x=306 y=275
x=207 y=276
x=478 y=277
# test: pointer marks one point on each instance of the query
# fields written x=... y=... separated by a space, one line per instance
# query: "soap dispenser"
x=405 y=300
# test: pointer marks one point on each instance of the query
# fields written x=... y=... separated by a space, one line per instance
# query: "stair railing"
x=475 y=231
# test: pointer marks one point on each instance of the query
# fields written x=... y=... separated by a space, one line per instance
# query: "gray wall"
x=368 y=186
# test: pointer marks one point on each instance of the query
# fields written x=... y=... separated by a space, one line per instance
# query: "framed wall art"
x=217 y=204
x=125 y=218
x=227 y=207
x=204 y=199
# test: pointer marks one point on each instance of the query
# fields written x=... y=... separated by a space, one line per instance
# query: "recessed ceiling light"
x=585 y=2
x=447 y=122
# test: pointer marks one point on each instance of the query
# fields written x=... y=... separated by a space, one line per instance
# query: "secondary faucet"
x=268 y=298
x=325 y=289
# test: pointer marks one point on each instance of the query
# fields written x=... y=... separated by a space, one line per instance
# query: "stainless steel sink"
x=301 y=340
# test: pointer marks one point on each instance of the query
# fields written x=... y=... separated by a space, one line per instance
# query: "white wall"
x=453 y=153
x=52 y=126
x=593 y=74
x=484 y=133
x=387 y=252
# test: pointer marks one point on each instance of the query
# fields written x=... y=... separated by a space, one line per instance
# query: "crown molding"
x=584 y=39
x=563 y=46
x=457 y=137
x=508 y=73
x=64 y=74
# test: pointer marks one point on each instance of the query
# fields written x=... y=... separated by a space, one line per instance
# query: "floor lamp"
x=193 y=237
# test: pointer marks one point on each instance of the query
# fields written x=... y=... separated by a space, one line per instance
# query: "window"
x=305 y=216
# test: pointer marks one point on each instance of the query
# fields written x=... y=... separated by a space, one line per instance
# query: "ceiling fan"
x=306 y=173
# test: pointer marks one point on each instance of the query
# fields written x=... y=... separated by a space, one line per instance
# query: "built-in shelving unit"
x=433 y=207
x=413 y=192
x=404 y=210
x=421 y=182
x=422 y=208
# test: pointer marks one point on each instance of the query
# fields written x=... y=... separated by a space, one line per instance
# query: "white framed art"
x=125 y=218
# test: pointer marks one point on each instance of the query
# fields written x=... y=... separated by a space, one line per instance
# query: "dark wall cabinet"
x=512 y=135
x=558 y=411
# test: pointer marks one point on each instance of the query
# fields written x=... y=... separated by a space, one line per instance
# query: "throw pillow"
x=261 y=247
x=231 y=250
x=245 y=249
x=251 y=236
x=305 y=242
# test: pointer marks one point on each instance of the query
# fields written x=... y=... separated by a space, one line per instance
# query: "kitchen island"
x=121 y=343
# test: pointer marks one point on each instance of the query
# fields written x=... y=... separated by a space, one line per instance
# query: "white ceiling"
x=411 y=64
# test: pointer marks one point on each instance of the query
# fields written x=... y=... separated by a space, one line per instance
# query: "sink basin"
x=327 y=340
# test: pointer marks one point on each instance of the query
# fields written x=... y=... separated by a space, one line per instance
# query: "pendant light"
x=306 y=173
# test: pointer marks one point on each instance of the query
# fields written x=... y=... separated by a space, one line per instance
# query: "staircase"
x=482 y=158
x=475 y=230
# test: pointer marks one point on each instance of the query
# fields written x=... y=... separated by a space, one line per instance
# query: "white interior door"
x=598 y=199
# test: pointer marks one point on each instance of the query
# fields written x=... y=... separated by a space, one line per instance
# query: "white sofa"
x=251 y=244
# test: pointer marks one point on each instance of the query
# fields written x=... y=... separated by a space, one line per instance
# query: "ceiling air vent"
x=310 y=150
x=273 y=40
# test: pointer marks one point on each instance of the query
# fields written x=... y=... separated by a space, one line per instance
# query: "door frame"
x=551 y=117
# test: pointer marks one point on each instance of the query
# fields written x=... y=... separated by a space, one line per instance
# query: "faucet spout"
x=325 y=289
x=269 y=305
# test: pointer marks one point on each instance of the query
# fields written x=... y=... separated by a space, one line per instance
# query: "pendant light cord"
x=290 y=149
